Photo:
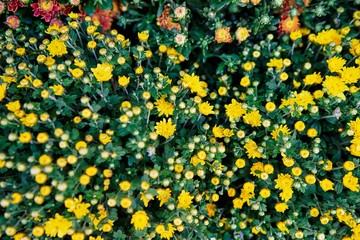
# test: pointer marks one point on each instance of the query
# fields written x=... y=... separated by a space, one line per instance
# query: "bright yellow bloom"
x=25 y=137
x=123 y=81
x=139 y=70
x=55 y=27
x=205 y=108
x=256 y=169
x=265 y=193
x=2 y=91
x=7 y=79
x=351 y=182
x=350 y=74
x=253 y=118
x=140 y=219
x=57 y=226
x=282 y=226
x=314 y=212
x=355 y=47
x=167 y=234
x=20 y=51
x=165 y=129
x=193 y=82
x=234 y=110
x=96 y=221
x=58 y=89
x=313 y=78
x=303 y=99
x=77 y=72
x=238 y=203
x=103 y=72
x=277 y=63
x=73 y=15
x=13 y=106
x=252 y=149
x=104 y=138
x=146 y=198
x=164 y=107
x=79 y=208
x=335 y=86
x=295 y=35
x=29 y=120
x=164 y=195
x=355 y=126
x=80 y=64
x=335 y=64
x=326 y=185
x=327 y=36
x=276 y=133
x=283 y=181
x=57 y=48
x=195 y=161
x=281 y=207
x=143 y=36
x=210 y=208
x=185 y=200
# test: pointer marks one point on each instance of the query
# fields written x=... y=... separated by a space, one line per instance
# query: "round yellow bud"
x=349 y=165
x=296 y=171
x=300 y=126
x=125 y=202
x=310 y=179
x=38 y=231
x=84 y=179
x=270 y=106
x=304 y=153
x=314 y=212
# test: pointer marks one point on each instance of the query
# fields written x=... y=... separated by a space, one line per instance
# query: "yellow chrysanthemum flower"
x=164 y=107
x=103 y=72
x=57 y=226
x=165 y=129
x=185 y=200
x=205 y=108
x=335 y=64
x=335 y=86
x=57 y=48
x=140 y=219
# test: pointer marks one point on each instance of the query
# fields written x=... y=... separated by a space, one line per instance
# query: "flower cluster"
x=108 y=135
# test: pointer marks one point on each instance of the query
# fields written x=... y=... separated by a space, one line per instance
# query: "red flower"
x=13 y=21
x=104 y=17
x=57 y=21
x=46 y=9
x=13 y=5
x=65 y=9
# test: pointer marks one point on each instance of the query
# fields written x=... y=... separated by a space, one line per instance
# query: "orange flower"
x=288 y=24
x=223 y=35
x=165 y=20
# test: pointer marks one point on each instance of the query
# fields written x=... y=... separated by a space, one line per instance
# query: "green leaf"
x=119 y=235
x=272 y=84
x=90 y=8
x=338 y=188
x=74 y=134
x=106 y=5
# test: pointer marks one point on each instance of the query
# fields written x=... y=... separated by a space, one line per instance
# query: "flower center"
x=46 y=6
